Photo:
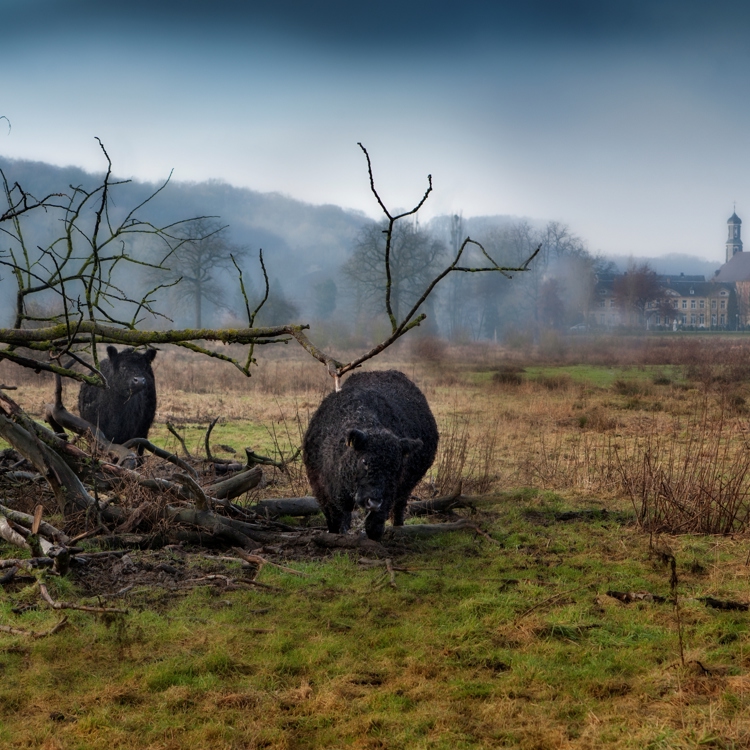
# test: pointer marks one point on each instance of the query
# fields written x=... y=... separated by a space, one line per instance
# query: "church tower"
x=734 y=243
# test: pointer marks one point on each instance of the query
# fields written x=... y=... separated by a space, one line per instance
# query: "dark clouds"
x=405 y=26
x=612 y=116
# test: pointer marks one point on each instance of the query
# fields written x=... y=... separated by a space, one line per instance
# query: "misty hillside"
x=302 y=243
x=305 y=247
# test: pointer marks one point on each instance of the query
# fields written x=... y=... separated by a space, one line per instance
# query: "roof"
x=679 y=286
x=737 y=268
x=734 y=219
x=701 y=288
x=673 y=278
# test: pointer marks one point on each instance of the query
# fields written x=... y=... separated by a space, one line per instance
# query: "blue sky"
x=626 y=120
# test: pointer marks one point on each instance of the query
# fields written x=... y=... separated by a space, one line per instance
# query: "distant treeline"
x=323 y=262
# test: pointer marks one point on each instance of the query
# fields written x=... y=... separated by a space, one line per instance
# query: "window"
x=692 y=320
x=722 y=320
x=723 y=305
x=611 y=303
x=675 y=304
x=702 y=304
x=713 y=320
x=692 y=304
x=702 y=319
x=713 y=304
x=658 y=319
x=692 y=291
x=602 y=302
x=684 y=304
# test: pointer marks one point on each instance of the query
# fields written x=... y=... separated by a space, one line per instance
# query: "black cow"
x=369 y=444
x=126 y=409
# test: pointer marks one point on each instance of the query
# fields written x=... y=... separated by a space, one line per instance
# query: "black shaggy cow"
x=126 y=409
x=369 y=445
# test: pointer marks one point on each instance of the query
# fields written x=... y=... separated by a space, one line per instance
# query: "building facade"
x=680 y=302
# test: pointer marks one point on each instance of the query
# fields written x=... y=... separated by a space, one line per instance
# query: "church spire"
x=734 y=240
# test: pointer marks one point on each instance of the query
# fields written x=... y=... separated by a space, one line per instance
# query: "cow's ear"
x=150 y=354
x=409 y=445
x=356 y=439
x=112 y=353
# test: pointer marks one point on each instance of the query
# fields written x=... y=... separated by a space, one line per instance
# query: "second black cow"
x=369 y=445
x=125 y=409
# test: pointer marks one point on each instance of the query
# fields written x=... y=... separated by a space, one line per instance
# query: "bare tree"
x=409 y=320
x=415 y=258
x=193 y=267
x=638 y=287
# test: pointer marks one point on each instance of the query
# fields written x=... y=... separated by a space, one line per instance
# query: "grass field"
x=597 y=457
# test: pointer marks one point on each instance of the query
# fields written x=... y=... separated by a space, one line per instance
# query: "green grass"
x=504 y=644
x=237 y=434
x=605 y=377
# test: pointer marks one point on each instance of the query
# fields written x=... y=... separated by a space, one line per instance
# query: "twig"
x=179 y=437
x=32 y=633
x=391 y=571
x=261 y=561
x=550 y=600
x=80 y=607
x=201 y=499
x=483 y=533
x=161 y=453
x=228 y=581
x=206 y=440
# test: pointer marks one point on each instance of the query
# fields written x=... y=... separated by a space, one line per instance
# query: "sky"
x=628 y=120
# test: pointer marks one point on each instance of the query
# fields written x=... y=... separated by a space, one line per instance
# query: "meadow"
x=600 y=600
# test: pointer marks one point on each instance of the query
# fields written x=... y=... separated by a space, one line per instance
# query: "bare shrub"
x=508 y=375
x=464 y=458
x=630 y=388
x=562 y=382
x=287 y=436
x=429 y=349
x=597 y=419
x=661 y=380
x=453 y=450
x=585 y=462
x=695 y=479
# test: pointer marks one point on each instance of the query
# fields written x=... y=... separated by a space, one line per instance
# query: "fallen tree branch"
x=25 y=519
x=236 y=485
x=288 y=506
x=308 y=506
x=10 y=535
x=193 y=488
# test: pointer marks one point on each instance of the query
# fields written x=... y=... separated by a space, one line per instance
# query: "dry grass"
x=670 y=440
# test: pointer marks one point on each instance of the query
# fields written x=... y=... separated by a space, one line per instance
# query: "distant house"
x=682 y=302
x=691 y=302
